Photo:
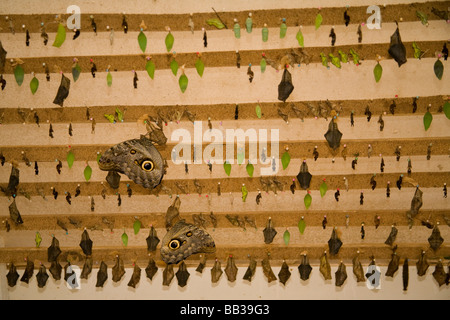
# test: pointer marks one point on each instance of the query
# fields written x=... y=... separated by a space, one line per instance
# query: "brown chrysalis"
x=135 y=277
x=231 y=269
x=151 y=268
x=118 y=270
x=267 y=270
x=168 y=275
x=334 y=244
x=12 y=275
x=152 y=239
x=325 y=268
x=304 y=268
x=182 y=274
x=422 y=265
x=340 y=275
x=269 y=232
x=284 y=273
x=53 y=251
x=250 y=272
x=42 y=276
x=86 y=243
x=102 y=275
x=216 y=272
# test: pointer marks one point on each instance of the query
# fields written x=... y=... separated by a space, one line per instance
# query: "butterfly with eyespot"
x=184 y=240
x=138 y=159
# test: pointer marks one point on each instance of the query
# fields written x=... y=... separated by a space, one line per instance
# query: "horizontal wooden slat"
x=159 y=15
x=121 y=219
x=321 y=167
x=396 y=127
x=223 y=84
x=404 y=106
x=382 y=254
x=231 y=236
x=156 y=207
x=223 y=42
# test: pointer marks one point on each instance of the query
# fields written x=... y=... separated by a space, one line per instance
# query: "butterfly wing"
x=184 y=240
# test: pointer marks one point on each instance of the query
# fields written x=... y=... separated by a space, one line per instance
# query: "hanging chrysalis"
x=86 y=243
x=307 y=200
x=108 y=77
x=34 y=83
x=286 y=237
x=304 y=177
x=249 y=23
x=42 y=276
x=14 y=212
x=397 y=49
x=169 y=40
x=358 y=269
x=182 y=274
x=151 y=268
x=267 y=269
x=87 y=268
x=55 y=270
x=435 y=240
x=265 y=33
x=135 y=277
x=334 y=244
x=201 y=264
x=183 y=80
x=29 y=271
x=38 y=239
x=70 y=276
x=231 y=269
x=392 y=236
x=76 y=70
x=346 y=17
x=63 y=90
x=422 y=265
x=325 y=268
x=53 y=251
x=12 y=275
x=333 y=135
x=60 y=36
x=439 y=274
x=174 y=64
x=118 y=270
x=263 y=64
x=269 y=232
x=416 y=204
x=244 y=192
x=340 y=275
x=102 y=275
x=285 y=158
x=199 y=65
x=142 y=40
x=150 y=67
x=318 y=21
x=304 y=268
x=285 y=87
x=283 y=28
x=284 y=273
x=405 y=275
x=393 y=264
x=250 y=270
x=237 y=29
x=152 y=239
x=216 y=271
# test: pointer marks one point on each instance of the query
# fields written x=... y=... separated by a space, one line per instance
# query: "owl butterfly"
x=138 y=159
x=184 y=240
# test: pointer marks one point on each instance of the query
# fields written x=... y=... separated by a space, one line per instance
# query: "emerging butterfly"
x=184 y=240
x=138 y=159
